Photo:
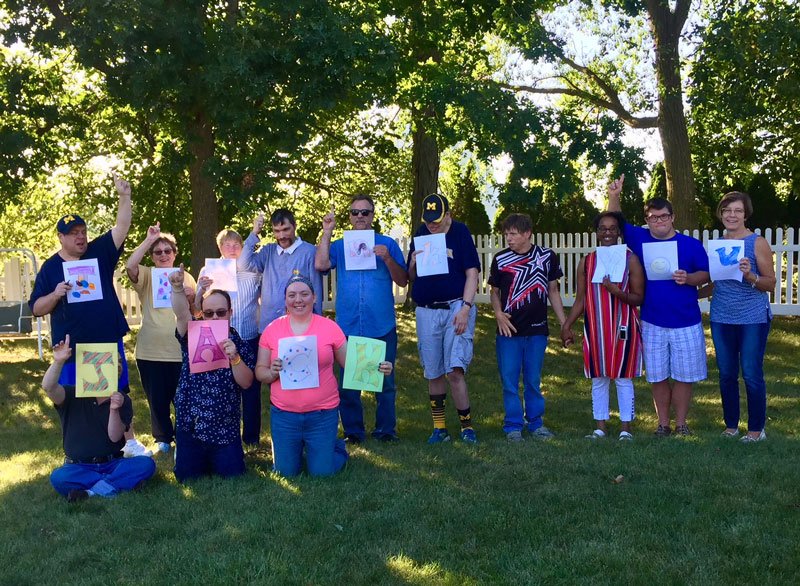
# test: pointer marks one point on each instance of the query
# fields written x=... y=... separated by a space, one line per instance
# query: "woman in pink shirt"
x=304 y=417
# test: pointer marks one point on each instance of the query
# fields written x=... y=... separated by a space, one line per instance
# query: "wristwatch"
x=469 y=304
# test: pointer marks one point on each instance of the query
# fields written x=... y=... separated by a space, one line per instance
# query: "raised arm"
x=249 y=260
x=614 y=191
x=61 y=353
x=322 y=259
x=124 y=212
x=132 y=266
x=180 y=305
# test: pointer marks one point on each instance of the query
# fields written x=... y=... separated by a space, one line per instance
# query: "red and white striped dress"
x=604 y=353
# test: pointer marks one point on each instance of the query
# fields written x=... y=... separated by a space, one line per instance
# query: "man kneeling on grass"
x=93 y=429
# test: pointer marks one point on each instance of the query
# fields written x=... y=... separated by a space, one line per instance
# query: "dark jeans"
x=351 y=409
x=743 y=345
x=160 y=381
x=194 y=458
x=251 y=405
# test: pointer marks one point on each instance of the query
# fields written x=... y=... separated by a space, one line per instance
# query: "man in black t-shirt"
x=93 y=439
x=523 y=277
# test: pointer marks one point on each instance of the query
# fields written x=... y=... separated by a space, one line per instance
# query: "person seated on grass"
x=207 y=404
x=93 y=435
x=305 y=417
x=612 y=342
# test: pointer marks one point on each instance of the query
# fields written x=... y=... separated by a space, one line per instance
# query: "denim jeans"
x=251 y=405
x=352 y=411
x=316 y=432
x=105 y=479
x=521 y=354
x=743 y=345
x=195 y=458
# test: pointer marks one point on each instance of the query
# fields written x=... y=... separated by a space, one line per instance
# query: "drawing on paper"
x=358 y=250
x=300 y=365
x=364 y=355
x=205 y=352
x=84 y=275
x=433 y=258
x=162 y=289
x=96 y=370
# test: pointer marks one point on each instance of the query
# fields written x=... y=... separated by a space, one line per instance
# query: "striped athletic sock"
x=466 y=418
x=437 y=409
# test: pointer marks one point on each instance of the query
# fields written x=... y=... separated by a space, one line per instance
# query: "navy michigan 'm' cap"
x=67 y=222
x=434 y=208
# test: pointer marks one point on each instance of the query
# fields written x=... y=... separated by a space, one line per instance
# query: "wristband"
x=469 y=304
x=238 y=360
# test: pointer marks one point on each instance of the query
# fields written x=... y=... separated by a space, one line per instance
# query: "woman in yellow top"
x=158 y=354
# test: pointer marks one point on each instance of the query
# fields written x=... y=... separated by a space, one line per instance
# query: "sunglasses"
x=160 y=251
x=210 y=313
x=364 y=213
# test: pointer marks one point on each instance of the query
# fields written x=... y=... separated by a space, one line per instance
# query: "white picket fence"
x=16 y=280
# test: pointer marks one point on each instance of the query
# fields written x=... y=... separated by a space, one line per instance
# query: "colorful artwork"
x=611 y=261
x=223 y=272
x=723 y=259
x=300 y=366
x=361 y=366
x=96 y=370
x=660 y=260
x=205 y=353
x=162 y=289
x=433 y=258
x=84 y=276
x=358 y=250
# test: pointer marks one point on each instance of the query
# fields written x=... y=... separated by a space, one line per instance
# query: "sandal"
x=625 y=436
x=596 y=434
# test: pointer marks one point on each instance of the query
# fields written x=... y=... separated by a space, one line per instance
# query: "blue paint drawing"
x=730 y=258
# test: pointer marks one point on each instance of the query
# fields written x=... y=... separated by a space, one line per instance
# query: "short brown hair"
x=228 y=234
x=520 y=222
x=733 y=196
x=169 y=239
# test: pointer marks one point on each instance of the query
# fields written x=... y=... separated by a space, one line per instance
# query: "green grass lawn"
x=700 y=510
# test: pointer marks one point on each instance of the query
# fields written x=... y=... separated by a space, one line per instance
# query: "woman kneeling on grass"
x=305 y=418
x=207 y=433
x=612 y=343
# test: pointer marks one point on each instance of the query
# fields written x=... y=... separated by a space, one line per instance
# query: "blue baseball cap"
x=434 y=208
x=66 y=223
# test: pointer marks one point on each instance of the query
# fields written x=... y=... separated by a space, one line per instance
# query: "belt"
x=441 y=304
x=95 y=460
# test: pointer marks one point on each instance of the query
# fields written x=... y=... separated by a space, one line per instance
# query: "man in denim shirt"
x=365 y=307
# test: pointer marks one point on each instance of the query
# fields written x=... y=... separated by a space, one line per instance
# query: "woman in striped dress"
x=612 y=344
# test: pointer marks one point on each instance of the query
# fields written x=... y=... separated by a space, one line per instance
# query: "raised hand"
x=123 y=187
x=154 y=232
x=62 y=351
x=329 y=220
x=176 y=278
x=615 y=188
x=258 y=224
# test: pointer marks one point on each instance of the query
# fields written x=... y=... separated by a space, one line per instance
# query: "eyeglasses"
x=364 y=213
x=160 y=251
x=661 y=218
x=610 y=229
x=210 y=313
x=732 y=212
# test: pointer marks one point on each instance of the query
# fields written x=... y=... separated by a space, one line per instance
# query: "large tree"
x=216 y=93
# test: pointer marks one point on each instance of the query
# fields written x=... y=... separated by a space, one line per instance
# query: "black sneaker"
x=77 y=495
x=352 y=439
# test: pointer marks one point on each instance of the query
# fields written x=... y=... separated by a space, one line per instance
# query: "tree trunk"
x=425 y=166
x=667 y=26
x=205 y=215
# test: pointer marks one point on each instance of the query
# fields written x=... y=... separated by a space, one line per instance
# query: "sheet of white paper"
x=660 y=260
x=358 y=245
x=723 y=259
x=162 y=289
x=611 y=261
x=300 y=366
x=433 y=258
x=84 y=275
x=223 y=272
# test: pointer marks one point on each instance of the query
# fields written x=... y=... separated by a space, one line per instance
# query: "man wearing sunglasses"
x=277 y=262
x=99 y=320
x=673 y=339
x=365 y=307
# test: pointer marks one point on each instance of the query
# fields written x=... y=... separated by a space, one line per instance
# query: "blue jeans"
x=352 y=411
x=251 y=405
x=195 y=458
x=525 y=354
x=316 y=432
x=105 y=479
x=745 y=345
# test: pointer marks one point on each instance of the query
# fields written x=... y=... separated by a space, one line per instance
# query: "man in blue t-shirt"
x=95 y=321
x=365 y=307
x=672 y=331
x=446 y=315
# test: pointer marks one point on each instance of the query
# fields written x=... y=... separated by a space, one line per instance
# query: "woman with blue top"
x=740 y=320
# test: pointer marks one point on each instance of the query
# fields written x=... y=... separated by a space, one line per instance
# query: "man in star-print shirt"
x=523 y=276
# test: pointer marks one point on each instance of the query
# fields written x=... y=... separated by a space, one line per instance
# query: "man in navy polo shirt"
x=446 y=316
x=97 y=321
x=365 y=307
x=672 y=330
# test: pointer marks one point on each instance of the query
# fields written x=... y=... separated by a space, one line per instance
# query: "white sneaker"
x=163 y=446
x=134 y=447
